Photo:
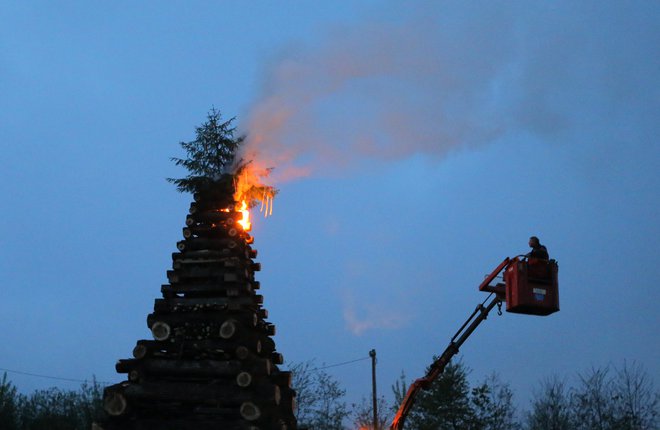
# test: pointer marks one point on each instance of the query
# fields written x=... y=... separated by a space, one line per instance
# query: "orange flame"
x=249 y=189
x=245 y=221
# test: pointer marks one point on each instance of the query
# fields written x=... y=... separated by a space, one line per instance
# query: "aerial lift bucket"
x=531 y=286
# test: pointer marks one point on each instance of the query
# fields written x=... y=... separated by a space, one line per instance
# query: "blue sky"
x=437 y=136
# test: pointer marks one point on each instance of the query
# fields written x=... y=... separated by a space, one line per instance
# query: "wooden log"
x=194 y=368
x=211 y=205
x=243 y=353
x=210 y=394
x=230 y=275
x=277 y=358
x=198 y=330
x=238 y=263
x=214 y=217
x=270 y=329
x=187 y=304
x=250 y=411
x=287 y=407
x=134 y=375
x=233 y=292
x=241 y=252
x=270 y=419
x=181 y=262
x=201 y=256
x=215 y=231
x=244 y=379
x=282 y=378
x=247 y=319
x=210 y=272
x=267 y=345
x=226 y=261
x=218 y=191
x=200 y=304
x=114 y=402
x=217 y=274
x=228 y=329
x=197 y=244
x=141 y=351
x=160 y=330
x=213 y=290
x=193 y=348
x=247 y=355
x=266 y=411
x=232 y=327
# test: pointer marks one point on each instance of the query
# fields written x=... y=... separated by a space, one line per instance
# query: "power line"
x=340 y=364
x=57 y=378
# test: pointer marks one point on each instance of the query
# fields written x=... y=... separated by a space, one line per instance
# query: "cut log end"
x=250 y=411
x=140 y=351
x=242 y=352
x=160 y=330
x=277 y=358
x=228 y=329
x=115 y=404
x=243 y=379
x=133 y=375
x=277 y=395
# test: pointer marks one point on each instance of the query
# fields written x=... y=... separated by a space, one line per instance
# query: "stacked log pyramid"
x=212 y=362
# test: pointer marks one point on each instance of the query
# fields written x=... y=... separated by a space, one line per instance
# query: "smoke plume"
x=440 y=76
x=370 y=316
x=443 y=77
x=382 y=90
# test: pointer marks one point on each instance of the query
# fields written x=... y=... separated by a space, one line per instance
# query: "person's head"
x=534 y=242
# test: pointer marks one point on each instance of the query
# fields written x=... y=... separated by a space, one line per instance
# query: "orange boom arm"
x=438 y=366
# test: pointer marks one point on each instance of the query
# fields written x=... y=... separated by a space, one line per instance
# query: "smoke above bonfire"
x=383 y=91
x=441 y=78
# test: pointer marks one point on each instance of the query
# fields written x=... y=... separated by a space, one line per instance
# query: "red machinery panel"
x=531 y=287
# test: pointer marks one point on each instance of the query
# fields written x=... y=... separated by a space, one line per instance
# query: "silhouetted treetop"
x=211 y=155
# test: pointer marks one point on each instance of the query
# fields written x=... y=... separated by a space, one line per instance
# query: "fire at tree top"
x=212 y=162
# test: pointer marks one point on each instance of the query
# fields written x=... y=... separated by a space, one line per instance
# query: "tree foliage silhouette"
x=210 y=155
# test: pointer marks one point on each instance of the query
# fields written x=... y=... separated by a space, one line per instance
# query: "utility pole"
x=372 y=354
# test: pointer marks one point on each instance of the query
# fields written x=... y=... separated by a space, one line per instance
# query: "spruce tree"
x=210 y=155
x=446 y=404
x=212 y=160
